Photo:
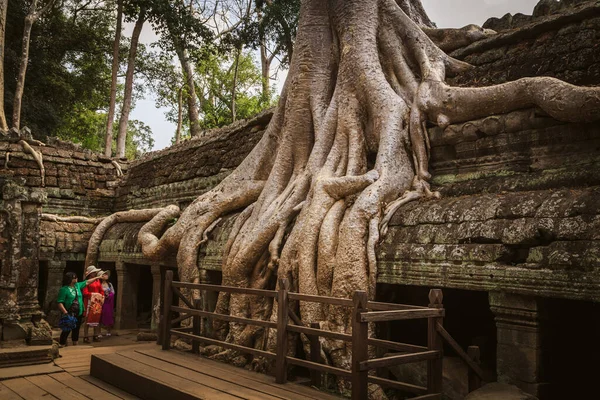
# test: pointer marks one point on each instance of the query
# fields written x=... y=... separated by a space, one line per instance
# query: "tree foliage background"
x=67 y=86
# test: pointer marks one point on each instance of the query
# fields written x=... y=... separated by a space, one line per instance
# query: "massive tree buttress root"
x=347 y=146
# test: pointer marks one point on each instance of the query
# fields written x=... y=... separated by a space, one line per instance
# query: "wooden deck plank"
x=127 y=373
x=28 y=370
x=83 y=387
x=55 y=388
x=238 y=375
x=80 y=373
x=26 y=390
x=7 y=394
x=108 y=388
x=249 y=393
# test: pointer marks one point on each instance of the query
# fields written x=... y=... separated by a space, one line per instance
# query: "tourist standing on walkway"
x=93 y=297
x=108 y=308
x=70 y=303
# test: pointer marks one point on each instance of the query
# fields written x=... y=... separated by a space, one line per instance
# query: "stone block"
x=518 y=363
x=51 y=181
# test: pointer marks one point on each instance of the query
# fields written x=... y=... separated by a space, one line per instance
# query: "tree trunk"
x=127 y=97
x=265 y=67
x=3 y=10
x=30 y=19
x=188 y=75
x=234 y=85
x=179 y=115
x=113 y=85
x=363 y=83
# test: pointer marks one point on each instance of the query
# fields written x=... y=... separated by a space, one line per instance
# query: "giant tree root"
x=72 y=219
x=37 y=156
x=346 y=148
x=91 y=256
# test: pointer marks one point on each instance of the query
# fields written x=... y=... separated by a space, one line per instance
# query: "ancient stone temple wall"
x=35 y=246
x=517 y=227
x=179 y=174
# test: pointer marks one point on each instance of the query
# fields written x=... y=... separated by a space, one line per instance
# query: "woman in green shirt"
x=70 y=301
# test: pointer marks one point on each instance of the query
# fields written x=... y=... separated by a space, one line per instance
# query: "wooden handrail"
x=224 y=317
x=433 y=396
x=364 y=312
x=180 y=318
x=182 y=297
x=319 y=367
x=403 y=386
x=405 y=347
x=227 y=345
x=399 y=359
x=337 y=301
x=461 y=353
x=328 y=334
x=378 y=306
x=397 y=315
x=227 y=289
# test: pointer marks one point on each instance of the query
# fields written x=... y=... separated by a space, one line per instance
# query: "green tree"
x=216 y=89
x=67 y=70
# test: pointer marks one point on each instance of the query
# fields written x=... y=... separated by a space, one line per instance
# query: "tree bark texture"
x=346 y=148
x=129 y=76
x=234 y=85
x=188 y=74
x=179 y=115
x=3 y=10
x=113 y=85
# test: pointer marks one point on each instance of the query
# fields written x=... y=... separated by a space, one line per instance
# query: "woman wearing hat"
x=108 y=308
x=93 y=296
x=70 y=303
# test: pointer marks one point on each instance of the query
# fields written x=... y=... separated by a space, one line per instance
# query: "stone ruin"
x=514 y=241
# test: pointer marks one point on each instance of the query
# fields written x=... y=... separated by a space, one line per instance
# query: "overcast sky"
x=445 y=13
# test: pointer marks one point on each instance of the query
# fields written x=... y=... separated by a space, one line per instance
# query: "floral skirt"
x=94 y=310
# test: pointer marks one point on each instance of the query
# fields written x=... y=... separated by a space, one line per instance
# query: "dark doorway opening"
x=77 y=267
x=144 y=297
x=570 y=349
x=468 y=319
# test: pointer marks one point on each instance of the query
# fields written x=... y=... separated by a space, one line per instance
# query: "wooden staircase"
x=158 y=375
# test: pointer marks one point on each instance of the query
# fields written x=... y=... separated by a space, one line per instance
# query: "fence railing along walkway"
x=363 y=312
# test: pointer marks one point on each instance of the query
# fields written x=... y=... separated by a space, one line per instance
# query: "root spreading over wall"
x=346 y=148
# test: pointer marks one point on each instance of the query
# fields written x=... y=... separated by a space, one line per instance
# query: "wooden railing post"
x=282 y=339
x=315 y=356
x=196 y=327
x=360 y=337
x=166 y=320
x=474 y=380
x=434 y=342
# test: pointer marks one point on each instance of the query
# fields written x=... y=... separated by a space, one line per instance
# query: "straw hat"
x=91 y=270
x=100 y=273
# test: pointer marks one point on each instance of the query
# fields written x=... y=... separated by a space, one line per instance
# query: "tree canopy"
x=205 y=68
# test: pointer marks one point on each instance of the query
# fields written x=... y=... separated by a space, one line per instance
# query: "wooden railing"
x=363 y=312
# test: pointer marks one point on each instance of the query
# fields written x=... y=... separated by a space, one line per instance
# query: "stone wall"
x=20 y=315
x=179 y=174
x=77 y=183
x=564 y=46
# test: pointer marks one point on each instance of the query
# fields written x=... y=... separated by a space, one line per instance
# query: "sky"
x=445 y=13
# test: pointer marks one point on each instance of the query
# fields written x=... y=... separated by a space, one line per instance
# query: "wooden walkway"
x=143 y=371
x=68 y=379
x=157 y=374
